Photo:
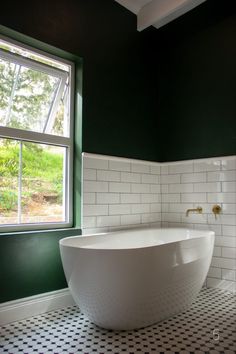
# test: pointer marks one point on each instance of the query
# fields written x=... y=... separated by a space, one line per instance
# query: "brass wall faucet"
x=198 y=210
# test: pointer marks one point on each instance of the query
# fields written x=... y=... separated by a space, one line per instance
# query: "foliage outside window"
x=35 y=139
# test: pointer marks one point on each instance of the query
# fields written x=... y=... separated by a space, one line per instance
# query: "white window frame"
x=45 y=138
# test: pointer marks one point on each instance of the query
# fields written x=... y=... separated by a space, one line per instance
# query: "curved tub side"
x=128 y=289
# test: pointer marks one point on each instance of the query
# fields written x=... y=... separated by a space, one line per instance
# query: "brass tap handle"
x=216 y=209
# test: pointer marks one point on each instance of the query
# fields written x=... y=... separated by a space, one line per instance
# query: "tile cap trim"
x=118 y=158
x=130 y=160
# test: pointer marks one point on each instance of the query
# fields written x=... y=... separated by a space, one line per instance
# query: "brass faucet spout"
x=198 y=210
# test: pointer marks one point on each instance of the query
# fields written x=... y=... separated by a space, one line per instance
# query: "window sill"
x=64 y=232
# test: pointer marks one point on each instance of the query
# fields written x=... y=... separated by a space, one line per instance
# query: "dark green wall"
x=197 y=80
x=118 y=98
x=118 y=106
x=30 y=264
x=161 y=95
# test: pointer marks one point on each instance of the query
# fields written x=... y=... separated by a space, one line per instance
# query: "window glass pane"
x=61 y=121
x=42 y=183
x=32 y=181
x=9 y=171
x=6 y=81
x=29 y=100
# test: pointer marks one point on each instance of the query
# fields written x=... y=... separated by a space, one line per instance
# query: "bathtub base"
x=131 y=315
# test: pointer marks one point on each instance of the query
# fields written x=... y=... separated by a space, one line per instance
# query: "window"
x=36 y=142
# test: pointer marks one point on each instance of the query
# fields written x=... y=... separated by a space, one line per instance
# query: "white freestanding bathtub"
x=134 y=278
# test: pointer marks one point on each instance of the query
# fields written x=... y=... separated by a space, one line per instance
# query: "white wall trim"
x=20 y=309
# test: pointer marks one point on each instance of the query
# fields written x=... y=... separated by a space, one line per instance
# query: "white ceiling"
x=157 y=13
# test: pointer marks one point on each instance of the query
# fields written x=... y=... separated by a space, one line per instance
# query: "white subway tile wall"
x=122 y=193
x=205 y=183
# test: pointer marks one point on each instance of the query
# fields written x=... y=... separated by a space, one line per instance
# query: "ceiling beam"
x=160 y=12
x=131 y=5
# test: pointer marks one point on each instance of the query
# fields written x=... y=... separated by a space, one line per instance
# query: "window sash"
x=67 y=198
x=49 y=70
x=32 y=64
x=36 y=137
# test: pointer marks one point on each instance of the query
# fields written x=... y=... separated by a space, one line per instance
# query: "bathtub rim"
x=202 y=234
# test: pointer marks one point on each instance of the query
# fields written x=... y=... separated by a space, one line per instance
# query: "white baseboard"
x=17 y=310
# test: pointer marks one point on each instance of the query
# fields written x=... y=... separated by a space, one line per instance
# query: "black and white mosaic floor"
x=209 y=326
